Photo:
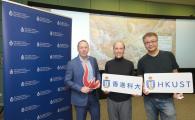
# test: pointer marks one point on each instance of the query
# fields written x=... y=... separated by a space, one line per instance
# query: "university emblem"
x=106 y=82
x=150 y=84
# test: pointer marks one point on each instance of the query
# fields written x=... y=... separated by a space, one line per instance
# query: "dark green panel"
x=108 y=5
x=183 y=11
x=169 y=9
x=133 y=6
x=76 y=3
x=70 y=3
x=129 y=6
x=21 y=1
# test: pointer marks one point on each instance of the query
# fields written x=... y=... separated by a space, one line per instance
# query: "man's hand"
x=106 y=92
x=85 y=89
x=97 y=82
x=146 y=92
x=178 y=96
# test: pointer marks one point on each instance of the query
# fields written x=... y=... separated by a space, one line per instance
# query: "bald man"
x=119 y=105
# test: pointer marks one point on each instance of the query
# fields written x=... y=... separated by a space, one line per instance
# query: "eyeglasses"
x=152 y=42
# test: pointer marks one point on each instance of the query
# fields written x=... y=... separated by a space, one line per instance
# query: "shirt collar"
x=83 y=60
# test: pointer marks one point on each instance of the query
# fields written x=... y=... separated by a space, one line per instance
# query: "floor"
x=185 y=109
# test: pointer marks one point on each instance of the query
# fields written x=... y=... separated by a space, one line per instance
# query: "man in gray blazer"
x=83 y=78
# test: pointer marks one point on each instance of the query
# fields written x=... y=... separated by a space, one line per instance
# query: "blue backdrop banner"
x=37 y=47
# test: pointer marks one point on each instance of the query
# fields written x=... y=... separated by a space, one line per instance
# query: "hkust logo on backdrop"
x=56 y=56
x=29 y=108
x=56 y=34
x=43 y=19
x=62 y=23
x=61 y=67
x=28 y=83
x=44 y=115
x=44 y=44
x=62 y=45
x=43 y=69
x=64 y=108
x=56 y=78
x=18 y=14
x=56 y=100
x=18 y=43
x=44 y=92
x=62 y=89
x=29 y=57
x=19 y=97
x=19 y=71
x=28 y=30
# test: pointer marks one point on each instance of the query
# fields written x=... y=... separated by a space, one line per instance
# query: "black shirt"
x=119 y=66
x=164 y=62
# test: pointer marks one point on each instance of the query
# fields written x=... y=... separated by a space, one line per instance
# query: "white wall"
x=185 y=43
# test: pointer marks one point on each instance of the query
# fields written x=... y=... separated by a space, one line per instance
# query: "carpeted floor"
x=185 y=108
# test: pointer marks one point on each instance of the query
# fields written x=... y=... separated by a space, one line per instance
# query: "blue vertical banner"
x=36 y=48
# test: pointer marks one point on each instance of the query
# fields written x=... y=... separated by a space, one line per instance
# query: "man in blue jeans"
x=157 y=61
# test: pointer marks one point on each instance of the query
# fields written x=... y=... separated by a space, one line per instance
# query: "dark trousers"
x=92 y=106
x=119 y=110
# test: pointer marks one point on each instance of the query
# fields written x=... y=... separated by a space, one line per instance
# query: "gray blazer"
x=74 y=79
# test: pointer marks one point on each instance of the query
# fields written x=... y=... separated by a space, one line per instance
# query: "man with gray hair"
x=158 y=61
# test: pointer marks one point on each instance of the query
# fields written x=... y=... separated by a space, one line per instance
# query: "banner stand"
x=36 y=48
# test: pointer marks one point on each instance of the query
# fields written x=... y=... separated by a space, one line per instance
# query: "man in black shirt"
x=157 y=61
x=119 y=105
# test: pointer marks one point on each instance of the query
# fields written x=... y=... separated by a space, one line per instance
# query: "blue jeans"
x=163 y=107
x=92 y=106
